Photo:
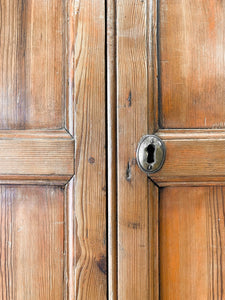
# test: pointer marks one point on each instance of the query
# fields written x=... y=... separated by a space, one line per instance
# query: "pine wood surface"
x=37 y=150
x=192 y=156
x=90 y=160
x=36 y=155
x=191 y=243
x=31 y=242
x=71 y=105
x=191 y=64
x=132 y=93
x=32 y=62
x=170 y=80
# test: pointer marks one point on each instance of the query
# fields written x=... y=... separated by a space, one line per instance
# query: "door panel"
x=191 y=64
x=33 y=65
x=191 y=242
x=31 y=242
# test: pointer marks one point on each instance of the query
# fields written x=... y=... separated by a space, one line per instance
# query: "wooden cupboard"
x=81 y=82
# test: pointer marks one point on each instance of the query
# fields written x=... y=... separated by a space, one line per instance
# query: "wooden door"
x=52 y=224
x=169 y=78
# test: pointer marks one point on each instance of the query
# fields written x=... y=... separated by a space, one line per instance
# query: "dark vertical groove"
x=20 y=92
x=159 y=123
x=111 y=136
x=148 y=62
x=207 y=205
x=160 y=120
x=106 y=153
x=65 y=243
x=159 y=227
x=220 y=244
x=65 y=67
x=216 y=236
x=211 y=209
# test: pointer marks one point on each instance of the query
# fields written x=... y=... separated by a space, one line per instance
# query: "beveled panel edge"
x=178 y=134
x=70 y=28
x=35 y=134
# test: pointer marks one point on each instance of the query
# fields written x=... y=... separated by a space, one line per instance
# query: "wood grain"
x=70 y=240
x=191 y=57
x=90 y=131
x=32 y=62
x=36 y=155
x=37 y=97
x=31 y=243
x=153 y=212
x=70 y=125
x=132 y=99
x=191 y=243
x=182 y=89
x=112 y=150
x=199 y=157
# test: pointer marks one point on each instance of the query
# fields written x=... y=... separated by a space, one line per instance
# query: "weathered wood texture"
x=191 y=56
x=90 y=183
x=153 y=212
x=69 y=201
x=112 y=149
x=36 y=155
x=191 y=95
x=70 y=240
x=192 y=156
x=32 y=63
x=172 y=52
x=36 y=93
x=31 y=243
x=191 y=243
x=133 y=218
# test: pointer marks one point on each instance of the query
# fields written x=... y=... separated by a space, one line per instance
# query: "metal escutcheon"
x=151 y=153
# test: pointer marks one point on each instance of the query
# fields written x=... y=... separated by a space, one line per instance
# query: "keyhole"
x=151 y=153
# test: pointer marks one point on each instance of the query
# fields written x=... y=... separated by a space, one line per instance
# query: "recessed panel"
x=191 y=243
x=32 y=64
x=191 y=53
x=31 y=243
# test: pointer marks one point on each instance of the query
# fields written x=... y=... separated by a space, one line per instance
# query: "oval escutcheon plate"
x=151 y=153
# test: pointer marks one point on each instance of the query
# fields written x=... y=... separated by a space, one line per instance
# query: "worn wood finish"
x=32 y=60
x=170 y=81
x=44 y=45
x=191 y=243
x=133 y=218
x=35 y=134
x=69 y=242
x=190 y=81
x=192 y=78
x=90 y=183
x=153 y=211
x=37 y=148
x=31 y=242
x=36 y=155
x=112 y=150
x=199 y=157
